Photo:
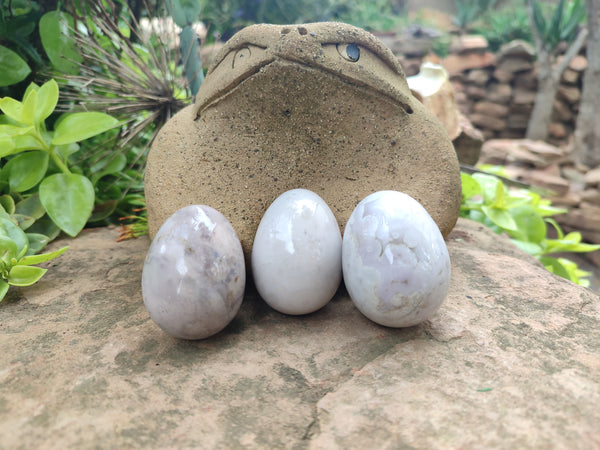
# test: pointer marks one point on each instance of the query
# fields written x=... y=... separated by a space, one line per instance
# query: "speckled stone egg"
x=297 y=253
x=395 y=261
x=194 y=275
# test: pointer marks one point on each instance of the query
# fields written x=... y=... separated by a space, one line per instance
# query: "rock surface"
x=551 y=168
x=511 y=360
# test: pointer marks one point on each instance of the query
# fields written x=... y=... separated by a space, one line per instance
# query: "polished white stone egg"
x=395 y=261
x=194 y=274
x=297 y=253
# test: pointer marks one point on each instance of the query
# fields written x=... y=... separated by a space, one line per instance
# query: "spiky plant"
x=132 y=75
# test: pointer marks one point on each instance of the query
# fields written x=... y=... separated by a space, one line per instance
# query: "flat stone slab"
x=511 y=360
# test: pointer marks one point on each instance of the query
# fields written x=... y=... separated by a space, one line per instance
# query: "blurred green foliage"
x=505 y=24
x=225 y=17
x=40 y=194
x=560 y=23
x=469 y=11
x=502 y=23
x=525 y=217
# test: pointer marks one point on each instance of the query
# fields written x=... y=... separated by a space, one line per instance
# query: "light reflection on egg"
x=194 y=275
x=395 y=262
x=296 y=255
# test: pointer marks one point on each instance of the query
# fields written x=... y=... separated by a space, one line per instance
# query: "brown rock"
x=455 y=64
x=297 y=112
x=469 y=44
x=499 y=93
x=543 y=149
x=436 y=92
x=410 y=65
x=468 y=143
x=380 y=393
x=487 y=122
x=575 y=176
x=461 y=100
x=489 y=134
x=517 y=49
x=562 y=112
x=578 y=63
x=535 y=153
x=83 y=366
x=521 y=108
x=475 y=93
x=592 y=177
x=570 y=199
x=503 y=76
x=517 y=121
x=491 y=109
x=570 y=76
x=586 y=217
x=412 y=46
x=591 y=196
x=558 y=130
x=478 y=77
x=553 y=169
x=570 y=94
x=593 y=237
x=559 y=186
x=511 y=134
x=523 y=96
x=514 y=65
x=495 y=151
x=526 y=80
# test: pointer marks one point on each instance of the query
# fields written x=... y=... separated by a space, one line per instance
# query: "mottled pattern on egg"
x=297 y=253
x=194 y=275
x=395 y=261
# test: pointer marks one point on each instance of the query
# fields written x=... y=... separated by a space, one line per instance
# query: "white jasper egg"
x=395 y=261
x=297 y=253
x=194 y=274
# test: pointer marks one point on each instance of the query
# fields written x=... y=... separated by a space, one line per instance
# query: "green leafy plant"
x=562 y=25
x=505 y=25
x=17 y=268
x=40 y=157
x=226 y=17
x=376 y=15
x=29 y=50
x=135 y=76
x=468 y=11
x=55 y=32
x=17 y=26
x=524 y=216
x=40 y=194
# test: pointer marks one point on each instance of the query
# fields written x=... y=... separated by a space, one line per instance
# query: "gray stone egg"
x=194 y=276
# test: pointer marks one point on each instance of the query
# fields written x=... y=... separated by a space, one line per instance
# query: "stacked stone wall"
x=496 y=91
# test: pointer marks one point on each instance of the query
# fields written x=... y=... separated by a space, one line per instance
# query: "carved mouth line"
x=351 y=81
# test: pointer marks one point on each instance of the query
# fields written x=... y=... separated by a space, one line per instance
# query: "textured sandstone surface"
x=285 y=108
x=511 y=360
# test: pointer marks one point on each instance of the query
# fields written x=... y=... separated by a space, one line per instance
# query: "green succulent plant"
x=40 y=194
x=524 y=216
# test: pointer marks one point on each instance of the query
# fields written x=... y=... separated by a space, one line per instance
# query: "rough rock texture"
x=551 y=168
x=434 y=89
x=497 y=91
x=287 y=107
x=511 y=360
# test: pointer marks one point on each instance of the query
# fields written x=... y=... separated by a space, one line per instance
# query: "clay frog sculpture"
x=322 y=106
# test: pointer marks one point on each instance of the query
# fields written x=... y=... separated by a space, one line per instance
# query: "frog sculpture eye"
x=241 y=56
x=350 y=52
